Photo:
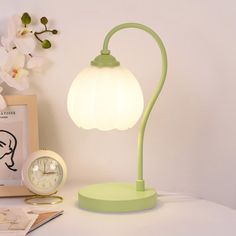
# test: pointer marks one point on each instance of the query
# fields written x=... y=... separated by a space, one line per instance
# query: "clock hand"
x=44 y=167
x=49 y=173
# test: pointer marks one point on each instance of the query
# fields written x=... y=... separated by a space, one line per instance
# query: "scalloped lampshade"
x=105 y=98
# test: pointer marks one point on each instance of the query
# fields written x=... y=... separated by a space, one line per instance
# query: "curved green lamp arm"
x=140 y=186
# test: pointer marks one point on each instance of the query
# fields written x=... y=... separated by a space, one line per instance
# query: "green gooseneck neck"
x=105 y=59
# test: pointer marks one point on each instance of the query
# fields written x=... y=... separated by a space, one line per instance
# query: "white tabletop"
x=175 y=215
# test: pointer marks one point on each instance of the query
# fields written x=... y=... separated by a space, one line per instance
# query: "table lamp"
x=107 y=96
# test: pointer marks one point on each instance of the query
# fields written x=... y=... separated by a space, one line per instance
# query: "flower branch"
x=26 y=20
x=17 y=52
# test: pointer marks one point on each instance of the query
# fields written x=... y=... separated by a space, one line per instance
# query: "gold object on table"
x=44 y=200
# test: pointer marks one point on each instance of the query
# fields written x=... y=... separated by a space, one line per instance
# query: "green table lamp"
x=106 y=96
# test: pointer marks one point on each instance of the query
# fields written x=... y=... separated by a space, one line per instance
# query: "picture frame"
x=18 y=138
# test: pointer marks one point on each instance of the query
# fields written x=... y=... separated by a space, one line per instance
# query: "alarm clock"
x=44 y=172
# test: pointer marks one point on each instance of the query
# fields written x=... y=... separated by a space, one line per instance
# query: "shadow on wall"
x=48 y=133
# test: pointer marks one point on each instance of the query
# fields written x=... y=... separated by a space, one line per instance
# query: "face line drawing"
x=11 y=149
x=1 y=142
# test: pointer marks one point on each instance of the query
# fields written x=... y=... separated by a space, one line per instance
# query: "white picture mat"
x=15 y=120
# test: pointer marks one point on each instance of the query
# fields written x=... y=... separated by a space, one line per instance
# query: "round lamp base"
x=116 y=197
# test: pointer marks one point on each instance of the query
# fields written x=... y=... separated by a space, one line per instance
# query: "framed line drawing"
x=18 y=138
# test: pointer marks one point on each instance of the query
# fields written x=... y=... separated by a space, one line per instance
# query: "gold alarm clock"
x=43 y=173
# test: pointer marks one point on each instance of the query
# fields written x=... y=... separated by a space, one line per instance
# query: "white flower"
x=12 y=69
x=36 y=63
x=2 y=101
x=18 y=36
x=7 y=43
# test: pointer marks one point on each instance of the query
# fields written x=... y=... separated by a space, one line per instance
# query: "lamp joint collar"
x=105 y=60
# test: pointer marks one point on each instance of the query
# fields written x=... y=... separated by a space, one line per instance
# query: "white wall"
x=190 y=138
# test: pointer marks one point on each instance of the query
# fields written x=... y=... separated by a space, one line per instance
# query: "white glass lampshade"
x=105 y=98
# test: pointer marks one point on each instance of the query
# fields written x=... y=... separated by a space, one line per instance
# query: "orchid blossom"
x=12 y=69
x=37 y=63
x=18 y=36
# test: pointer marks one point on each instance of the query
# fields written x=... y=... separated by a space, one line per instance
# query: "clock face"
x=45 y=174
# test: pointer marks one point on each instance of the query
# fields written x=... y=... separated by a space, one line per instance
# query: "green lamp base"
x=116 y=197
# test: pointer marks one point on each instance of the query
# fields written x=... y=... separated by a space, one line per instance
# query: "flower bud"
x=46 y=44
x=26 y=19
x=44 y=20
x=54 y=31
